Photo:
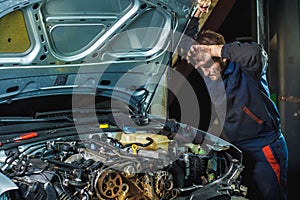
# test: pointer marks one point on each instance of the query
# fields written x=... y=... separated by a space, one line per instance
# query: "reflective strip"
x=272 y=161
x=253 y=116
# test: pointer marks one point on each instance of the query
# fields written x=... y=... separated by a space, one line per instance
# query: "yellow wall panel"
x=13 y=33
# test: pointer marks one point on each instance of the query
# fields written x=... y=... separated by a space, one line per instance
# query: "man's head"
x=208 y=37
x=214 y=69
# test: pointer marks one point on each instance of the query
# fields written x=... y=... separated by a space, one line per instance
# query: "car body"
x=82 y=100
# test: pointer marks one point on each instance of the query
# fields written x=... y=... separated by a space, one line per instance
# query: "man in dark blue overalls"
x=252 y=121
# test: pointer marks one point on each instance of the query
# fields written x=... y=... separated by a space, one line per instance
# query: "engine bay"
x=123 y=165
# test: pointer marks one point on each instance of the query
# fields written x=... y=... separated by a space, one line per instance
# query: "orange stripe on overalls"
x=272 y=161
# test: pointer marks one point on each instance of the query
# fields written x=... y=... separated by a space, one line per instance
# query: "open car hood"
x=113 y=48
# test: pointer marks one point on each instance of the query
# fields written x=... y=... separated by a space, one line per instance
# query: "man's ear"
x=224 y=63
x=224 y=60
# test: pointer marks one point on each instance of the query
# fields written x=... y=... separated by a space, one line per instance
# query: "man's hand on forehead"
x=199 y=55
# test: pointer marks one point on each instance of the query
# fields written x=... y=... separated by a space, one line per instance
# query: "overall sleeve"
x=193 y=28
x=188 y=38
x=251 y=56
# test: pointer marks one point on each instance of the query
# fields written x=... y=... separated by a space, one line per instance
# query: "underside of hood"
x=113 y=48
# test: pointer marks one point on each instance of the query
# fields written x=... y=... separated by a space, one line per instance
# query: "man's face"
x=212 y=71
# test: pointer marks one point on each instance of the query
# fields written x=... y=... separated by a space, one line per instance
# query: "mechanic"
x=252 y=121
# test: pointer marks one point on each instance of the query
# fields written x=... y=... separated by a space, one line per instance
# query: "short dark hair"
x=209 y=37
